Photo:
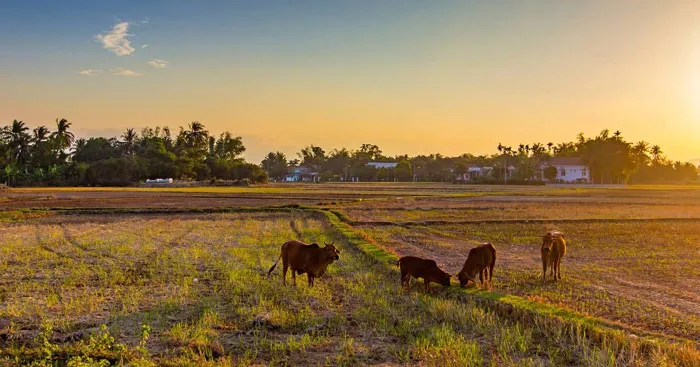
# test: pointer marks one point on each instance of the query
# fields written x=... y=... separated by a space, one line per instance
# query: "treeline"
x=609 y=157
x=43 y=157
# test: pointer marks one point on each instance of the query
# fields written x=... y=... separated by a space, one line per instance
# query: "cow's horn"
x=328 y=244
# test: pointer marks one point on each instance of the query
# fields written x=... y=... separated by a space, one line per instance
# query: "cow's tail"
x=493 y=260
x=273 y=266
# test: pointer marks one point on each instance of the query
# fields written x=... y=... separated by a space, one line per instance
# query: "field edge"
x=598 y=331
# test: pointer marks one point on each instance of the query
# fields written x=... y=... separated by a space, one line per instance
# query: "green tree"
x=62 y=139
x=313 y=156
x=275 y=164
x=228 y=147
x=40 y=151
x=403 y=171
x=129 y=139
x=17 y=138
x=550 y=173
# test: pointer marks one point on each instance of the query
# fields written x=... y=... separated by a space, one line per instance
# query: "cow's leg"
x=481 y=277
x=559 y=268
x=311 y=279
x=426 y=282
x=284 y=274
x=544 y=271
x=294 y=277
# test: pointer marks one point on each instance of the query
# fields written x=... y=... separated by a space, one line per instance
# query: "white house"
x=379 y=165
x=569 y=169
x=302 y=174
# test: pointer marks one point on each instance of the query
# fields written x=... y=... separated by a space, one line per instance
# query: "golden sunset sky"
x=410 y=76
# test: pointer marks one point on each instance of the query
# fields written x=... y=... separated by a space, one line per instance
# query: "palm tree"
x=640 y=151
x=197 y=135
x=18 y=141
x=62 y=138
x=41 y=147
x=41 y=134
x=129 y=138
x=656 y=153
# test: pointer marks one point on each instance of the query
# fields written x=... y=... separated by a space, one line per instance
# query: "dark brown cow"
x=480 y=260
x=416 y=267
x=552 y=250
x=304 y=258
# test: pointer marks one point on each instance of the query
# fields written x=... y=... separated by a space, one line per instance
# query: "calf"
x=480 y=260
x=552 y=250
x=416 y=267
x=304 y=258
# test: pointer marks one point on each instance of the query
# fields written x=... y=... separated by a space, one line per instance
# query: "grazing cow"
x=304 y=258
x=553 y=249
x=480 y=260
x=416 y=267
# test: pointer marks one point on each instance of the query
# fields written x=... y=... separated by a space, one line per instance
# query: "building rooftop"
x=566 y=161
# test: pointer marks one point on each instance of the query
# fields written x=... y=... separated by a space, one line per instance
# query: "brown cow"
x=480 y=260
x=421 y=268
x=553 y=249
x=304 y=258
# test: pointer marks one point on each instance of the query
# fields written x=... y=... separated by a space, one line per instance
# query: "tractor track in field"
x=296 y=230
x=68 y=237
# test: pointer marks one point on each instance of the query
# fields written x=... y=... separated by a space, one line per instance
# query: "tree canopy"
x=42 y=156
x=45 y=157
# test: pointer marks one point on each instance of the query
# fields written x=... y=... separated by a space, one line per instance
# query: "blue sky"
x=410 y=76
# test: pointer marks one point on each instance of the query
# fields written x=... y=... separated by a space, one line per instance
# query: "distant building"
x=160 y=181
x=302 y=174
x=569 y=169
x=379 y=165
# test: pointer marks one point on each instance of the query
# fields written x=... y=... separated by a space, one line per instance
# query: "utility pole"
x=505 y=170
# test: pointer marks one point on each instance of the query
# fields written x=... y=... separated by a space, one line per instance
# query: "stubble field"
x=190 y=289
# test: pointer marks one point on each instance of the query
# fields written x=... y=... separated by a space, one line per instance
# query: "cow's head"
x=331 y=251
x=547 y=242
x=468 y=273
x=464 y=278
x=444 y=278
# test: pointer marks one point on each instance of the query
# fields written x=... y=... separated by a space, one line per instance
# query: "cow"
x=552 y=250
x=480 y=260
x=306 y=258
x=416 y=267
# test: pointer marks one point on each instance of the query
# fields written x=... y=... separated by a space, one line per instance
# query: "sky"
x=413 y=77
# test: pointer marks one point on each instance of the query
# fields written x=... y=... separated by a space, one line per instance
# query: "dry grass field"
x=126 y=288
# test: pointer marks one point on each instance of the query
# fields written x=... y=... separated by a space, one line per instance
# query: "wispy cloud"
x=90 y=72
x=123 y=72
x=158 y=63
x=116 y=40
x=144 y=46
